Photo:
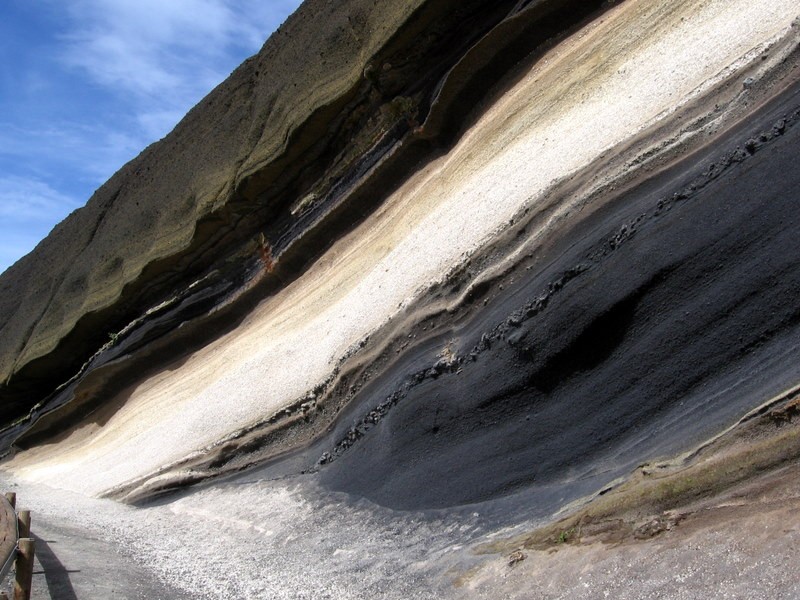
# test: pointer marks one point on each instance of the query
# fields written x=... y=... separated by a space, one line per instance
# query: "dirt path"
x=75 y=563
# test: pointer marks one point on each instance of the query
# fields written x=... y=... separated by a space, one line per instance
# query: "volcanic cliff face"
x=305 y=122
x=450 y=258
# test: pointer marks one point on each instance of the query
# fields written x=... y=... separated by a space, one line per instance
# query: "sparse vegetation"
x=402 y=108
x=565 y=536
x=648 y=502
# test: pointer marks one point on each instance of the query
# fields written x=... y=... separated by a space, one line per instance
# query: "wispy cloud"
x=165 y=56
x=90 y=83
x=85 y=153
x=29 y=209
x=145 y=47
x=23 y=199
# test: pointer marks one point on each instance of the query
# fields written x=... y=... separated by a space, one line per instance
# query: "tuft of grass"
x=565 y=536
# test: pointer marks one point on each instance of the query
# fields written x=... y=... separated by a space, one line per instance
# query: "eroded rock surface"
x=271 y=151
x=484 y=262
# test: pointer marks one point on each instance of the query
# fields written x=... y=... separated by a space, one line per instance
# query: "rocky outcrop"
x=297 y=145
x=505 y=278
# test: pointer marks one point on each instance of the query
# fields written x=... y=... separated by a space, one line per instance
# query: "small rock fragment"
x=516 y=557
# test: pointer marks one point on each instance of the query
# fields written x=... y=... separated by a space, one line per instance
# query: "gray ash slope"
x=646 y=328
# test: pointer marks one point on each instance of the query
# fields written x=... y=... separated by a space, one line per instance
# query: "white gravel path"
x=263 y=540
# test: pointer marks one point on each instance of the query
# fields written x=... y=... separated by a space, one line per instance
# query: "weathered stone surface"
x=299 y=144
x=414 y=314
x=240 y=157
x=150 y=210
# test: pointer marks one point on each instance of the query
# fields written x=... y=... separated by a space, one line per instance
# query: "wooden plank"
x=8 y=531
x=24 y=523
x=24 y=576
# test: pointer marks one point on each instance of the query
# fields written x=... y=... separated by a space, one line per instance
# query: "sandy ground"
x=744 y=544
x=286 y=540
x=754 y=559
x=614 y=78
x=252 y=540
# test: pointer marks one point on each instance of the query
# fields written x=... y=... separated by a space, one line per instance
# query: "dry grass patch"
x=657 y=497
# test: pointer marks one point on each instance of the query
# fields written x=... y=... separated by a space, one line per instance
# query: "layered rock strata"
x=299 y=143
x=583 y=183
x=509 y=276
x=510 y=254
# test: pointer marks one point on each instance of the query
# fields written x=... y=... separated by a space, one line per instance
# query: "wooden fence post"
x=24 y=578
x=24 y=523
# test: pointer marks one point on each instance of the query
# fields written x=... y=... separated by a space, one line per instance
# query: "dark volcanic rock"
x=659 y=320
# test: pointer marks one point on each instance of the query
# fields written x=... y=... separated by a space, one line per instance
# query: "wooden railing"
x=16 y=546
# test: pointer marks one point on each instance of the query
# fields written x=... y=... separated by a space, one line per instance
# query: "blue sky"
x=85 y=85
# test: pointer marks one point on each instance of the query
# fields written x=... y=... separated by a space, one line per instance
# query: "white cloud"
x=166 y=55
x=29 y=209
x=91 y=152
x=24 y=199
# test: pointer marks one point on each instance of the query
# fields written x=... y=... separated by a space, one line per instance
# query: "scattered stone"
x=656 y=526
x=516 y=557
